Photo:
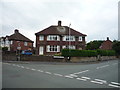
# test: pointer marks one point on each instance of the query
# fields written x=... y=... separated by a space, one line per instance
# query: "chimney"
x=16 y=31
x=107 y=38
x=59 y=23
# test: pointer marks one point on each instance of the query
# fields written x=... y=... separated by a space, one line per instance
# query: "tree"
x=116 y=47
x=93 y=45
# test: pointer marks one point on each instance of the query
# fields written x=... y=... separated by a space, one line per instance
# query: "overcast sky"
x=96 y=18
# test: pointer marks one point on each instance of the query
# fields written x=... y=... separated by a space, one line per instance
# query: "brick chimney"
x=59 y=23
x=107 y=38
x=16 y=31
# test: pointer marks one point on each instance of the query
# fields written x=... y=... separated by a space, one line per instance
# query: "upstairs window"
x=25 y=43
x=11 y=42
x=80 y=38
x=69 y=38
x=6 y=42
x=53 y=38
x=41 y=37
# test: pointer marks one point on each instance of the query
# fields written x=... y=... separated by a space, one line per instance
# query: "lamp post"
x=69 y=41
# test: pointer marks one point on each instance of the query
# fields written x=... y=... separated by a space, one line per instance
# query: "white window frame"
x=69 y=47
x=25 y=43
x=68 y=38
x=41 y=37
x=80 y=38
x=53 y=48
x=53 y=38
x=11 y=42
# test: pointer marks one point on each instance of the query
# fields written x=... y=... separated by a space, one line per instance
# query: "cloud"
x=96 y=18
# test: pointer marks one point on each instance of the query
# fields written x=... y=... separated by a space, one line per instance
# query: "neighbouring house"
x=106 y=45
x=16 y=41
x=53 y=39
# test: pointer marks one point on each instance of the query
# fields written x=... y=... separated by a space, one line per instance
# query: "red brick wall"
x=78 y=44
x=21 y=43
x=107 y=45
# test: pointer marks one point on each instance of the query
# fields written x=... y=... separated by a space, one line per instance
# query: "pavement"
x=60 y=75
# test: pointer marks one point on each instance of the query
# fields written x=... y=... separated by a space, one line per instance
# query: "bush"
x=106 y=52
x=5 y=49
x=81 y=53
x=87 y=53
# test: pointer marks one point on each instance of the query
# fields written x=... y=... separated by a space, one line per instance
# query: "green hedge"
x=87 y=53
x=106 y=52
x=82 y=53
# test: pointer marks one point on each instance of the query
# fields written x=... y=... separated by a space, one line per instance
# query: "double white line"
x=114 y=84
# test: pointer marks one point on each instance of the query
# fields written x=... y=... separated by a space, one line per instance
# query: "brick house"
x=106 y=45
x=53 y=39
x=16 y=41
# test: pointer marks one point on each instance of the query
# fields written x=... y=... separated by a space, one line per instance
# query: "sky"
x=98 y=19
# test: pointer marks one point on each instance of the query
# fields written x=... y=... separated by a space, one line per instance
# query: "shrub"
x=106 y=52
x=81 y=53
x=86 y=53
x=5 y=49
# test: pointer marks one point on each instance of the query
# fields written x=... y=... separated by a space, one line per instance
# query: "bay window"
x=53 y=48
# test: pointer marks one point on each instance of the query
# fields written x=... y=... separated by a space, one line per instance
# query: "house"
x=53 y=39
x=16 y=41
x=106 y=45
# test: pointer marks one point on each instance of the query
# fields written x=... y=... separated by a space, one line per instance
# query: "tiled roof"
x=106 y=45
x=59 y=30
x=19 y=36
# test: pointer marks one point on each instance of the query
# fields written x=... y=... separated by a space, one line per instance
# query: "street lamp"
x=69 y=41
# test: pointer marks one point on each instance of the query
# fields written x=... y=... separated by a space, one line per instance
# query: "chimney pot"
x=16 y=31
x=107 y=38
x=59 y=23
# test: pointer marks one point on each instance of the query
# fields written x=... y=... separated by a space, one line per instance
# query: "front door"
x=41 y=50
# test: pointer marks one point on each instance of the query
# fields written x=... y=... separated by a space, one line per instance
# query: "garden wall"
x=91 y=59
x=13 y=57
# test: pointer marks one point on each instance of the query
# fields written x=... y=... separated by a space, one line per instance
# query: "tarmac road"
x=60 y=75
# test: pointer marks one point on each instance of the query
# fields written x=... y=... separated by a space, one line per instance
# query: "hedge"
x=86 y=53
x=81 y=53
x=106 y=52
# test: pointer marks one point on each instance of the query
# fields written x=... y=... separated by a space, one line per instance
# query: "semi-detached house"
x=53 y=39
x=16 y=41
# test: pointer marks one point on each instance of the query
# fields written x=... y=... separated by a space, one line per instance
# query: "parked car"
x=26 y=52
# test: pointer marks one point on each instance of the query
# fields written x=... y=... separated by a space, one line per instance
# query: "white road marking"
x=19 y=66
x=48 y=72
x=7 y=63
x=101 y=80
x=114 y=86
x=68 y=76
x=73 y=75
x=96 y=82
x=102 y=66
x=81 y=72
x=40 y=70
x=27 y=68
x=58 y=74
x=85 y=78
x=33 y=69
x=81 y=79
x=22 y=67
x=115 y=83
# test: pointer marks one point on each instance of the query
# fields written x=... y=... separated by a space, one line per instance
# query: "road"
x=60 y=75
